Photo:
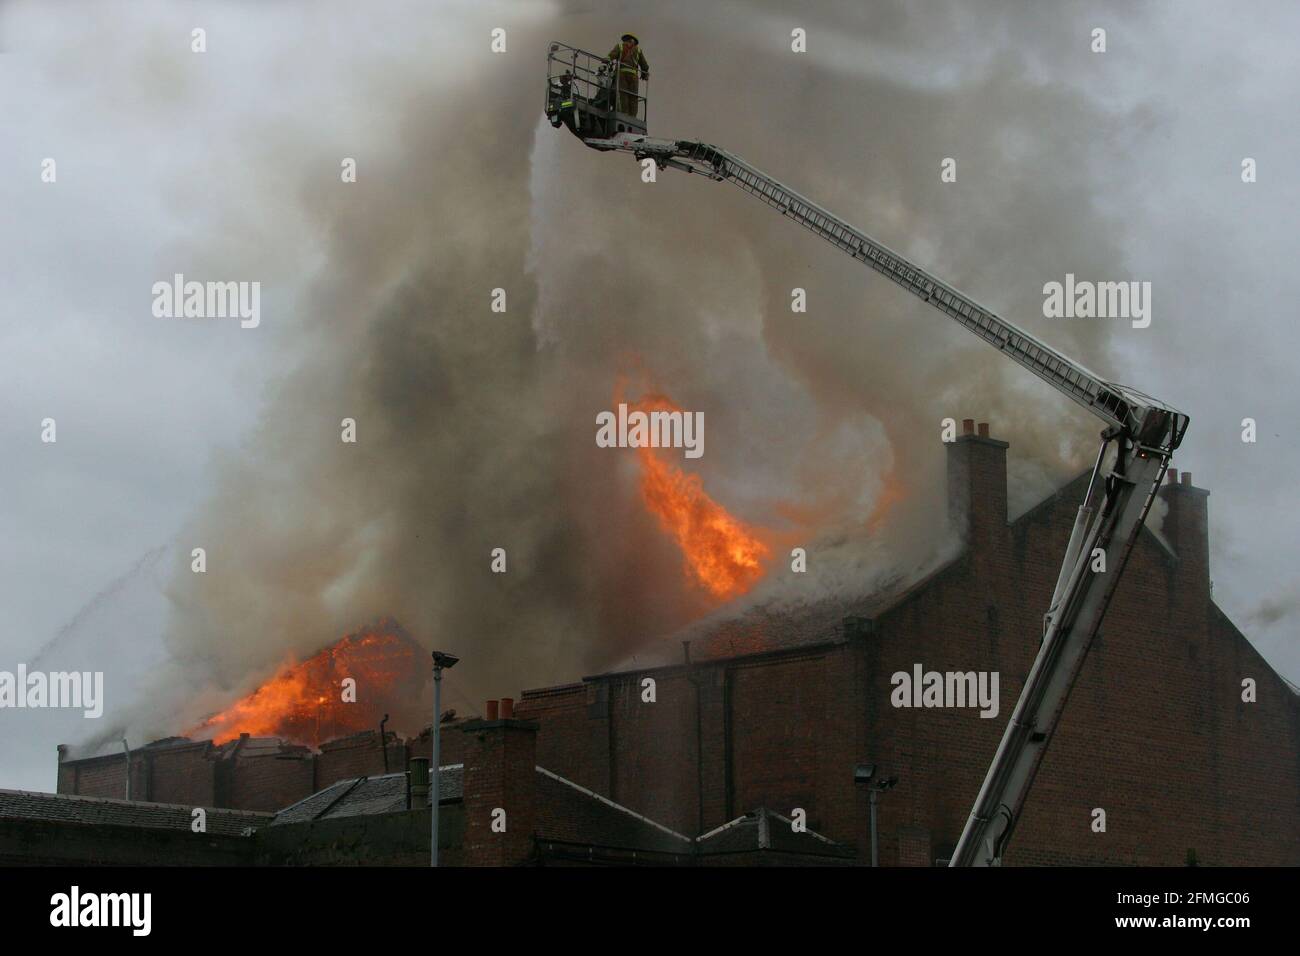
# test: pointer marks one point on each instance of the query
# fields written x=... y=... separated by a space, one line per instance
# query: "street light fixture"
x=441 y=661
x=865 y=774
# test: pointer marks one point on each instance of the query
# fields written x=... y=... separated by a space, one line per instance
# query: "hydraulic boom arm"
x=1136 y=447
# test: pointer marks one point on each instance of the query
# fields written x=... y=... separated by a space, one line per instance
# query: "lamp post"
x=865 y=774
x=441 y=660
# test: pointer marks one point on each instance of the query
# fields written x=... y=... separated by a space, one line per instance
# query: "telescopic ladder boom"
x=1116 y=405
x=1136 y=447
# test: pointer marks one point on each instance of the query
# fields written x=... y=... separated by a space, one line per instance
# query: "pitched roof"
x=777 y=627
x=781 y=626
x=100 y=811
x=364 y=796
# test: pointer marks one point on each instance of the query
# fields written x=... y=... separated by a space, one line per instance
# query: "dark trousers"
x=628 y=102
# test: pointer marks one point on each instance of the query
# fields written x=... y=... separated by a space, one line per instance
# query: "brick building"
x=777 y=710
x=773 y=712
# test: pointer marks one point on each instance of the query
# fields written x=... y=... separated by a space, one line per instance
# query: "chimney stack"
x=491 y=713
x=500 y=776
x=977 y=485
x=507 y=708
x=65 y=781
x=1186 y=527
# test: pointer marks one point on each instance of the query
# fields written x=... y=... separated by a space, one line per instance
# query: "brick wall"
x=779 y=712
x=175 y=774
x=653 y=746
x=269 y=782
x=357 y=756
x=185 y=775
x=576 y=744
x=451 y=746
x=500 y=761
x=1154 y=732
x=99 y=777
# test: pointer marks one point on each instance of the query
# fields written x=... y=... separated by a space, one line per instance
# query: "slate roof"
x=784 y=626
x=566 y=811
x=100 y=811
x=776 y=627
x=362 y=796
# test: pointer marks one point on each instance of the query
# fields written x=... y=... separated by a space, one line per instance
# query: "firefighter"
x=631 y=63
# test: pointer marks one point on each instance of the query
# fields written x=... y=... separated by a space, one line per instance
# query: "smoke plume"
x=475 y=429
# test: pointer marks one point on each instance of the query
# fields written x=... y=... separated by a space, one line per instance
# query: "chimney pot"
x=507 y=708
x=1187 y=478
x=492 y=710
x=968 y=426
x=1172 y=476
x=984 y=430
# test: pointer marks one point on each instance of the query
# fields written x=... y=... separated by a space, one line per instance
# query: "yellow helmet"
x=632 y=37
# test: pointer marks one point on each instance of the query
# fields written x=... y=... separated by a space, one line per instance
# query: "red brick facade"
x=500 y=791
x=1155 y=734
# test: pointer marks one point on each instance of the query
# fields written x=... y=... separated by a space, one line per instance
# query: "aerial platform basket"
x=582 y=94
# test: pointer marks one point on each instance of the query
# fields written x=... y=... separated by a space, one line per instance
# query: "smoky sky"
x=476 y=428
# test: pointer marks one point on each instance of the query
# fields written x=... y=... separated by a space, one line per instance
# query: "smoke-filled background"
x=476 y=428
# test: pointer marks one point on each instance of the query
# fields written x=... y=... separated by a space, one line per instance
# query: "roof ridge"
x=118 y=801
x=315 y=793
x=341 y=797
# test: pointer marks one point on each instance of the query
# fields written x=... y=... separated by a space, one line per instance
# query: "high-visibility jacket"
x=630 y=62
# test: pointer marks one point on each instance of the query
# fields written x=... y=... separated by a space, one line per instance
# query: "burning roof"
x=344 y=688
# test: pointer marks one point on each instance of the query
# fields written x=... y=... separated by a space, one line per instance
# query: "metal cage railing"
x=590 y=84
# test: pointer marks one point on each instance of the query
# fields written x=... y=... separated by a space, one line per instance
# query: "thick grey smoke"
x=1275 y=608
x=476 y=429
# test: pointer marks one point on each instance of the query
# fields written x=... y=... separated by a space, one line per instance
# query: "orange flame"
x=304 y=702
x=723 y=555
